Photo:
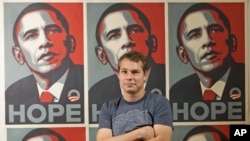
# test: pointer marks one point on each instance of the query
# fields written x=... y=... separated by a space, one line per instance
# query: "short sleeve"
x=105 y=117
x=163 y=112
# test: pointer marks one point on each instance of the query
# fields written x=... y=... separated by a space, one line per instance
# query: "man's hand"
x=147 y=132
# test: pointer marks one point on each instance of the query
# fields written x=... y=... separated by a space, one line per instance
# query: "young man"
x=131 y=33
x=137 y=114
x=208 y=46
x=45 y=45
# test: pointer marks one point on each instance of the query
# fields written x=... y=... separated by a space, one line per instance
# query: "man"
x=137 y=114
x=43 y=134
x=45 y=46
x=132 y=32
x=208 y=46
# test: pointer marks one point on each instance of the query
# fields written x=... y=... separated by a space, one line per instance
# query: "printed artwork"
x=113 y=33
x=60 y=65
x=213 y=47
x=41 y=38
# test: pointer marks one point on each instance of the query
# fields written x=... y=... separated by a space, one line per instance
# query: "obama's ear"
x=182 y=54
x=101 y=55
x=70 y=43
x=232 y=42
x=152 y=43
x=18 y=55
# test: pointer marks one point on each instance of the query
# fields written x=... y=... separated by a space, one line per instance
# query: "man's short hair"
x=135 y=57
x=199 y=7
x=119 y=7
x=39 y=6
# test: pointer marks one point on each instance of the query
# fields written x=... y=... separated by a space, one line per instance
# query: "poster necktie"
x=209 y=95
x=46 y=97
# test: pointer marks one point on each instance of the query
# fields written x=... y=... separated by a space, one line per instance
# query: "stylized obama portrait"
x=122 y=28
x=206 y=41
x=53 y=92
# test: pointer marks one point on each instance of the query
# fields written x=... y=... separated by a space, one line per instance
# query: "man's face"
x=204 y=38
x=131 y=76
x=41 y=38
x=121 y=32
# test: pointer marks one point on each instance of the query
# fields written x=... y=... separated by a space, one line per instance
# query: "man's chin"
x=47 y=68
x=130 y=91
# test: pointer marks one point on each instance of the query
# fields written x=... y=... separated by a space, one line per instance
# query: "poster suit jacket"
x=109 y=88
x=25 y=91
x=188 y=89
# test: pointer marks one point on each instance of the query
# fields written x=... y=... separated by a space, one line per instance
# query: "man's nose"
x=127 y=41
x=208 y=40
x=129 y=76
x=44 y=40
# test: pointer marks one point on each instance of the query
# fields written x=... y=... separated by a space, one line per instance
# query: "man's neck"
x=48 y=79
x=133 y=97
x=209 y=80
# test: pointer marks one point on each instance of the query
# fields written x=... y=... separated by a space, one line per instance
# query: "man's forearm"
x=135 y=135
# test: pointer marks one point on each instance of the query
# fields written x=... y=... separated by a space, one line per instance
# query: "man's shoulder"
x=21 y=84
x=238 y=66
x=106 y=82
x=155 y=97
x=159 y=67
x=77 y=67
x=185 y=84
x=76 y=71
x=185 y=80
x=113 y=102
x=22 y=81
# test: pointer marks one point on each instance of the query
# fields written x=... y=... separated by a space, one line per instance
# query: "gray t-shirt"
x=122 y=116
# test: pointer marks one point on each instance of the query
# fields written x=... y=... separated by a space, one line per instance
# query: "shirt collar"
x=56 y=88
x=218 y=87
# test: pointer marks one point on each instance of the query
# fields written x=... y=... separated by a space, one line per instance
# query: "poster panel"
x=207 y=52
x=44 y=53
x=111 y=34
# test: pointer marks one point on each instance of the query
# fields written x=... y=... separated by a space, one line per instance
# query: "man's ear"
x=70 y=43
x=101 y=55
x=18 y=55
x=182 y=54
x=232 y=42
x=152 y=43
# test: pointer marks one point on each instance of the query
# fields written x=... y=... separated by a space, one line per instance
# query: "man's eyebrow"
x=52 y=26
x=215 y=25
x=135 y=25
x=29 y=31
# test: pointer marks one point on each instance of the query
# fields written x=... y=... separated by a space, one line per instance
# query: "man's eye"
x=135 y=72
x=194 y=35
x=215 y=30
x=135 y=30
x=53 y=30
x=113 y=36
x=31 y=36
x=123 y=71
